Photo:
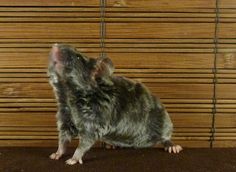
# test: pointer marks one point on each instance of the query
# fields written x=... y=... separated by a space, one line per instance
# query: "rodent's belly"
x=127 y=139
x=118 y=141
x=128 y=143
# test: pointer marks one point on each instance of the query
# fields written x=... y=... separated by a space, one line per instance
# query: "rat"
x=94 y=105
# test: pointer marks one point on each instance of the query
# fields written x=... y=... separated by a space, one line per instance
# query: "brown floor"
x=120 y=160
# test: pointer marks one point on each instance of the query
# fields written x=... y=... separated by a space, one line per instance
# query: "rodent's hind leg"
x=84 y=145
x=170 y=147
x=63 y=141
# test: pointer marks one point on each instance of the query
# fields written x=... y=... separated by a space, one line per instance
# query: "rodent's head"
x=71 y=66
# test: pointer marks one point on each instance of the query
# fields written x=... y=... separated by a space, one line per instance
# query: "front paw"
x=55 y=156
x=73 y=161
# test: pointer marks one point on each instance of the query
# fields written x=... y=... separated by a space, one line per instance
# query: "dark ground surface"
x=120 y=160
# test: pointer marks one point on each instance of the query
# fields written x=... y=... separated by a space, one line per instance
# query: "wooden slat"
x=226 y=138
x=120 y=60
x=221 y=135
x=226 y=91
x=175 y=32
x=54 y=135
x=38 y=46
x=177 y=106
x=28 y=104
x=27 y=59
x=176 y=109
x=174 y=41
x=160 y=30
x=123 y=71
x=48 y=42
x=143 y=80
x=193 y=143
x=225 y=120
x=226 y=60
x=162 y=20
x=48 y=119
x=52 y=101
x=28 y=143
x=52 y=9
x=227 y=4
x=26 y=90
x=50 y=3
x=94 y=48
x=155 y=77
x=182 y=90
x=48 y=20
x=162 y=90
x=28 y=119
x=130 y=75
x=227 y=30
x=162 y=45
x=162 y=60
x=175 y=10
x=38 y=143
x=224 y=143
x=161 y=4
x=191 y=120
x=40 y=13
x=90 y=49
x=177 y=130
x=28 y=109
x=52 y=30
x=156 y=14
x=27 y=129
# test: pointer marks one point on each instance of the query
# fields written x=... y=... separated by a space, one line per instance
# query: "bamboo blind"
x=183 y=51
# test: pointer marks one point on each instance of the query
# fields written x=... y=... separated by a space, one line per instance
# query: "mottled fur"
x=93 y=104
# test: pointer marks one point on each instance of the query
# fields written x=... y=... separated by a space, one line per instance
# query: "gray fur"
x=93 y=104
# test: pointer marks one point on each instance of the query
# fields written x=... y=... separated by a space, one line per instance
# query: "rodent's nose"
x=55 y=45
x=55 y=53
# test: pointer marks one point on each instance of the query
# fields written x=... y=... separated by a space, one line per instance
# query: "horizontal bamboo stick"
x=50 y=3
x=163 y=90
x=120 y=60
x=224 y=144
x=162 y=4
x=52 y=30
x=173 y=105
x=48 y=119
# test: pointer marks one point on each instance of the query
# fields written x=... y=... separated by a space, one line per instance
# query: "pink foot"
x=73 y=161
x=108 y=146
x=55 y=156
x=174 y=149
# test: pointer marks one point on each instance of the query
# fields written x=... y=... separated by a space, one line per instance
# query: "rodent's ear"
x=103 y=68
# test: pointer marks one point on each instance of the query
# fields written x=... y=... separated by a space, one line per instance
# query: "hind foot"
x=173 y=149
x=108 y=146
x=73 y=161
x=55 y=156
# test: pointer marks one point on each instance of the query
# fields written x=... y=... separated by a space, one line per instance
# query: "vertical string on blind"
x=102 y=36
x=102 y=28
x=214 y=99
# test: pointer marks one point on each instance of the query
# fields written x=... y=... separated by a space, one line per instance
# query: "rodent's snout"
x=56 y=58
x=55 y=55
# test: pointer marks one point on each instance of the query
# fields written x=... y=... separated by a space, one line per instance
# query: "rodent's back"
x=134 y=108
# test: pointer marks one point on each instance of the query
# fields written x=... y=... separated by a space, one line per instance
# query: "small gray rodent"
x=94 y=105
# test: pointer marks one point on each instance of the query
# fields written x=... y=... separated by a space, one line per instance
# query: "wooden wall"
x=183 y=51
